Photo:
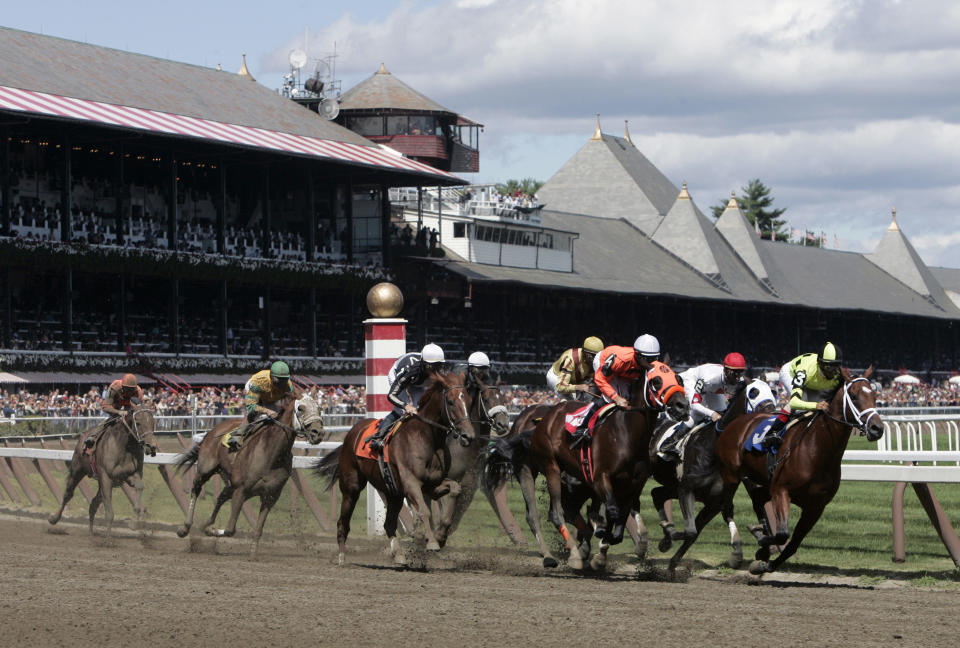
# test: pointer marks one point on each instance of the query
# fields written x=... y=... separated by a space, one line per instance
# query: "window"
x=366 y=125
x=459 y=230
x=398 y=125
x=422 y=125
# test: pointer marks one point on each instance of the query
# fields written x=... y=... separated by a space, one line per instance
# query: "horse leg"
x=571 y=513
x=707 y=513
x=73 y=478
x=198 y=481
x=638 y=532
x=555 y=488
x=759 y=497
x=616 y=513
x=528 y=487
x=780 y=499
x=225 y=494
x=808 y=517
x=414 y=492
x=137 y=483
x=688 y=503
x=266 y=503
x=449 y=492
x=106 y=487
x=498 y=501
x=94 y=505
x=736 y=544
x=394 y=505
x=237 y=498
x=350 y=488
x=660 y=496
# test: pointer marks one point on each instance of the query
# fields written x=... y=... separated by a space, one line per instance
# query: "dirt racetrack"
x=62 y=587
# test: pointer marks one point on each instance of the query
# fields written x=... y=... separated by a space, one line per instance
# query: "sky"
x=844 y=108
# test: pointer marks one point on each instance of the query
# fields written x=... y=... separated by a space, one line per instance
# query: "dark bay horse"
x=620 y=458
x=260 y=468
x=418 y=458
x=700 y=479
x=488 y=413
x=807 y=469
x=116 y=458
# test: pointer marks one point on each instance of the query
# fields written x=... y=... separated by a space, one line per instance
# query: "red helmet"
x=734 y=361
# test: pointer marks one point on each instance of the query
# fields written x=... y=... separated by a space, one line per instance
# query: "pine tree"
x=755 y=202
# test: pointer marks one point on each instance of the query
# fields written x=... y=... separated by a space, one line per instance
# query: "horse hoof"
x=340 y=559
x=758 y=567
x=676 y=535
x=182 y=532
x=53 y=519
x=400 y=559
x=734 y=560
x=584 y=550
x=433 y=545
x=641 y=552
x=665 y=544
x=550 y=561
x=598 y=562
x=574 y=561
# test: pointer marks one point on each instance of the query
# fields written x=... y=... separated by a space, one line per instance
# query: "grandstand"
x=190 y=220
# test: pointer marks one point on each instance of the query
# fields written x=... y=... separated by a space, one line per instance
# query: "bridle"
x=489 y=414
x=859 y=421
x=452 y=428
x=133 y=428
x=300 y=425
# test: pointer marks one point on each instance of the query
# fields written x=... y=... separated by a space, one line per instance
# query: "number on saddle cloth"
x=754 y=440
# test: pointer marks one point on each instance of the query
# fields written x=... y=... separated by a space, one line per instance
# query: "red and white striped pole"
x=385 y=340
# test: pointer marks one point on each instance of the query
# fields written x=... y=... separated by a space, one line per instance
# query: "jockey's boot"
x=669 y=449
x=774 y=436
x=583 y=430
x=377 y=441
x=236 y=437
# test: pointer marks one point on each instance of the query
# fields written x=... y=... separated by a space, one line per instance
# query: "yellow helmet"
x=593 y=345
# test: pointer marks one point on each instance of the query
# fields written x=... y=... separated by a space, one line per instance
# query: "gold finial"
x=683 y=193
x=626 y=130
x=384 y=300
x=893 y=225
x=219 y=69
x=243 y=69
x=383 y=69
x=597 y=135
x=732 y=203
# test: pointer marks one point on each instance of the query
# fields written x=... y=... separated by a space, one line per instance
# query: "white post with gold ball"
x=385 y=340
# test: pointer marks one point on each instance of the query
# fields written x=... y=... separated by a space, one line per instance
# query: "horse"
x=619 y=460
x=260 y=467
x=700 y=476
x=807 y=467
x=116 y=458
x=418 y=460
x=489 y=416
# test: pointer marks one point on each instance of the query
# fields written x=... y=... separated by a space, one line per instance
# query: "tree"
x=755 y=202
x=529 y=186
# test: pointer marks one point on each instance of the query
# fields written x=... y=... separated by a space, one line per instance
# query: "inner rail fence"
x=916 y=449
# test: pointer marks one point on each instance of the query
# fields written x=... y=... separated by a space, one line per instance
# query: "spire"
x=684 y=195
x=732 y=203
x=626 y=130
x=219 y=68
x=597 y=135
x=383 y=69
x=244 y=72
x=893 y=224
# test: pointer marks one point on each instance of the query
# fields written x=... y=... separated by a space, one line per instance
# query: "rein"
x=134 y=429
x=859 y=422
x=491 y=413
x=453 y=427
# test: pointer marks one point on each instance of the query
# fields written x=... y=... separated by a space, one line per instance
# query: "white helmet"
x=431 y=353
x=478 y=359
x=647 y=345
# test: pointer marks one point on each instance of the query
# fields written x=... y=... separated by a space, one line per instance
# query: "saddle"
x=364 y=451
x=670 y=430
x=754 y=441
x=573 y=420
x=254 y=428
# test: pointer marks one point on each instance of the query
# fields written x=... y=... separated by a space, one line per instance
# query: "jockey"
x=573 y=370
x=615 y=369
x=712 y=386
x=478 y=369
x=123 y=395
x=407 y=377
x=809 y=379
x=261 y=394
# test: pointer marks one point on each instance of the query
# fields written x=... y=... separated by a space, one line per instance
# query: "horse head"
x=141 y=426
x=493 y=409
x=663 y=390
x=859 y=404
x=447 y=400
x=308 y=419
x=759 y=397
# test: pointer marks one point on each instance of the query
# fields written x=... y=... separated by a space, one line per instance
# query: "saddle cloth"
x=671 y=430
x=573 y=419
x=363 y=449
x=754 y=440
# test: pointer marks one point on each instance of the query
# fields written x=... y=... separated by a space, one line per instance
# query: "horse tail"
x=187 y=459
x=329 y=466
x=502 y=457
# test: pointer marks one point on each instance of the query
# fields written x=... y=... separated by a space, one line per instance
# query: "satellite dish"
x=329 y=108
x=298 y=58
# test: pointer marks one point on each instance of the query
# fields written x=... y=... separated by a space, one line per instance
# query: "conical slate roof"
x=735 y=229
x=385 y=91
x=896 y=256
x=609 y=178
x=683 y=233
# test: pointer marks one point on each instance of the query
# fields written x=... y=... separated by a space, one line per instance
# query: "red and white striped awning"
x=42 y=103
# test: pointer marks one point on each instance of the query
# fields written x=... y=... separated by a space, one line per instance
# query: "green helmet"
x=279 y=369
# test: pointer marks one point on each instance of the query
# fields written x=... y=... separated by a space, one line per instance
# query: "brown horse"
x=488 y=413
x=700 y=479
x=620 y=458
x=807 y=468
x=116 y=458
x=418 y=455
x=260 y=468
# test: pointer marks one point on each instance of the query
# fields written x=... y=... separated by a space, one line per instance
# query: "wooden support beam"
x=47 y=474
x=175 y=488
x=20 y=474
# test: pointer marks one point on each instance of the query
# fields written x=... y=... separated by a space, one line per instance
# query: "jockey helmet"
x=478 y=359
x=431 y=354
x=129 y=381
x=829 y=359
x=593 y=345
x=279 y=370
x=734 y=366
x=647 y=346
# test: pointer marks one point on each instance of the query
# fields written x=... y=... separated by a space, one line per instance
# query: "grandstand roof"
x=735 y=229
x=65 y=79
x=382 y=90
x=949 y=278
x=609 y=178
x=683 y=231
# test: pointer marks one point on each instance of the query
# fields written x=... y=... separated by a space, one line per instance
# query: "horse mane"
x=727 y=416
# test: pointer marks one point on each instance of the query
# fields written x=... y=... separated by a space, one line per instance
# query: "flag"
x=794 y=234
x=773 y=234
x=836 y=241
x=756 y=228
x=823 y=239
